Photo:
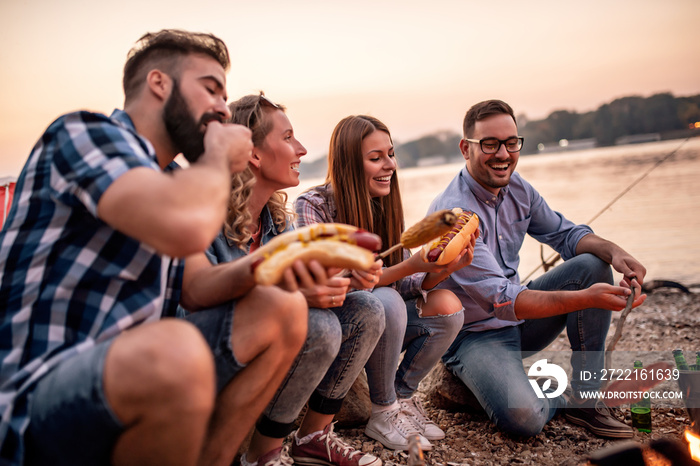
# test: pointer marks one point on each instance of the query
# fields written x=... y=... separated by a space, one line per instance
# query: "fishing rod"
x=546 y=264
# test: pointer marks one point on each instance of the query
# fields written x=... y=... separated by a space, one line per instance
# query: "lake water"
x=656 y=219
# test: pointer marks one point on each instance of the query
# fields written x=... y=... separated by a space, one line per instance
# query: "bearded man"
x=91 y=263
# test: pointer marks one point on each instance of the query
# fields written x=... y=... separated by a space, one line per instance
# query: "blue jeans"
x=490 y=362
x=70 y=421
x=320 y=349
x=362 y=323
x=424 y=340
x=338 y=343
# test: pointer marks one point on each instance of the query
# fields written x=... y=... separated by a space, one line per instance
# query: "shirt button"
x=500 y=236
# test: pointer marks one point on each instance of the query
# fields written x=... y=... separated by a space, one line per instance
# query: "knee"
x=441 y=303
x=596 y=269
x=289 y=316
x=324 y=335
x=522 y=422
x=370 y=312
x=169 y=356
x=394 y=308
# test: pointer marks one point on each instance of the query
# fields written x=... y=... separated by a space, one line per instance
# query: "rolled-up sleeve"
x=552 y=228
x=411 y=286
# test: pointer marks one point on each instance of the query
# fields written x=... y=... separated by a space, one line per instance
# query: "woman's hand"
x=439 y=273
x=463 y=259
x=362 y=280
x=318 y=285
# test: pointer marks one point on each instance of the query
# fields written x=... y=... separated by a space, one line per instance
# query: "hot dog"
x=445 y=248
x=331 y=244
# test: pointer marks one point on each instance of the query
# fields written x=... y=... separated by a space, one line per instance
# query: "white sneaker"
x=428 y=428
x=392 y=429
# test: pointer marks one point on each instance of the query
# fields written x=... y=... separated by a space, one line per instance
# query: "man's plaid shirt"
x=67 y=279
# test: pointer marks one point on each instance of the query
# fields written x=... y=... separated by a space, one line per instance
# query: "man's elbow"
x=187 y=242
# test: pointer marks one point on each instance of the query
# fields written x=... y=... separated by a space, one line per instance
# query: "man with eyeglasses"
x=505 y=320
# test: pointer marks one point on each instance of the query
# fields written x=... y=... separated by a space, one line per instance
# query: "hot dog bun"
x=445 y=248
x=331 y=244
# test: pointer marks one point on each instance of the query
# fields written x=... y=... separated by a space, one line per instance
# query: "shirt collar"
x=267 y=224
x=123 y=118
x=481 y=193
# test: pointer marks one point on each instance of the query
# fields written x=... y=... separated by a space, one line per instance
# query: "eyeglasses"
x=493 y=145
x=262 y=100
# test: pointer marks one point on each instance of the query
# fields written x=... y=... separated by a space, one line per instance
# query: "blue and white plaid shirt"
x=67 y=279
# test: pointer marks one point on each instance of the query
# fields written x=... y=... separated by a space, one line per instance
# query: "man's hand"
x=228 y=143
x=630 y=268
x=613 y=298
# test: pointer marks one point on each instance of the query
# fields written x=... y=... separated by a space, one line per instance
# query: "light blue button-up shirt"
x=489 y=286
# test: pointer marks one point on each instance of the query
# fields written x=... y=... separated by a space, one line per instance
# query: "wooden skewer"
x=618 y=329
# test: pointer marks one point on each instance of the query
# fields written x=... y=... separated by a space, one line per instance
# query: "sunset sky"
x=416 y=65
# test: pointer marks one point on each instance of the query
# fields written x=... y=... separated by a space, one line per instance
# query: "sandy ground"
x=666 y=321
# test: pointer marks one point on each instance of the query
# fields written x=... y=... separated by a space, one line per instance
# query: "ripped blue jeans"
x=424 y=340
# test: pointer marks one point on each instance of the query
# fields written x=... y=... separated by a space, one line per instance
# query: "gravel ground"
x=666 y=321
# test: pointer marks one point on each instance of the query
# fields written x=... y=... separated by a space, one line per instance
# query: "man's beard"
x=184 y=131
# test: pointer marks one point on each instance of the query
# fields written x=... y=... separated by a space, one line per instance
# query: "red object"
x=7 y=192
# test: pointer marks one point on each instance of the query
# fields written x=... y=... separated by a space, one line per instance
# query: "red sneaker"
x=327 y=449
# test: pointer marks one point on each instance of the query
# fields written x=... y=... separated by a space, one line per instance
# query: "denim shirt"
x=489 y=286
x=222 y=250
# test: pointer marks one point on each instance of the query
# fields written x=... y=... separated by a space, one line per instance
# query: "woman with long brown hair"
x=362 y=189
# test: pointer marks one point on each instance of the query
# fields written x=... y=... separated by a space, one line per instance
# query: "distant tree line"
x=663 y=113
x=660 y=113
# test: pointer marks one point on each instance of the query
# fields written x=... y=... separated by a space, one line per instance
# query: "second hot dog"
x=446 y=248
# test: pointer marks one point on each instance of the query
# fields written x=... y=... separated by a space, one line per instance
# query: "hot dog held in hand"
x=331 y=244
x=445 y=249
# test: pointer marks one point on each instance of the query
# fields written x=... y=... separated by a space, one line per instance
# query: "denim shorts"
x=71 y=422
x=216 y=325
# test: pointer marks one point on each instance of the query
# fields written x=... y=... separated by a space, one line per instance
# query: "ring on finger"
x=332 y=300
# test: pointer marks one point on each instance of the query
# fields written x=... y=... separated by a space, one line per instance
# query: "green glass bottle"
x=680 y=360
x=641 y=410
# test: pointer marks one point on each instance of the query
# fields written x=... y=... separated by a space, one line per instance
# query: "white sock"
x=376 y=409
x=244 y=461
x=306 y=439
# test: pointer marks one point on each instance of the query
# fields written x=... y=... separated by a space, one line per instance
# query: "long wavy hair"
x=252 y=111
x=346 y=175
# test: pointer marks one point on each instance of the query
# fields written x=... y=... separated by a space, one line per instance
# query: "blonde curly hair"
x=253 y=112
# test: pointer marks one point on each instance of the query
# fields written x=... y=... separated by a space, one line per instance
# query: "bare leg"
x=440 y=303
x=313 y=422
x=269 y=329
x=261 y=444
x=159 y=380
